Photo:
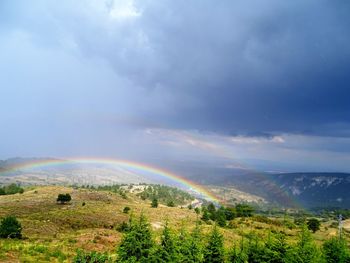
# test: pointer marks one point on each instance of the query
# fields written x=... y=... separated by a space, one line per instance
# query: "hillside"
x=317 y=189
x=307 y=190
x=53 y=232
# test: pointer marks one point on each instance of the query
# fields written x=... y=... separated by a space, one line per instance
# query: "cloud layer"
x=94 y=77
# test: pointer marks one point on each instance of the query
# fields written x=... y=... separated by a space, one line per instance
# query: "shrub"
x=91 y=257
x=171 y=204
x=335 y=250
x=154 y=203
x=63 y=198
x=126 y=210
x=313 y=224
x=10 y=228
x=123 y=227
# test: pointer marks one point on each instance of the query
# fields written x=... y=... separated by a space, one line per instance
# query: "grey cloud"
x=111 y=69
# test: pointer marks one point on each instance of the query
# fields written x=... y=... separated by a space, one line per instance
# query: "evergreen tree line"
x=168 y=195
x=138 y=245
x=11 y=189
x=115 y=188
x=223 y=214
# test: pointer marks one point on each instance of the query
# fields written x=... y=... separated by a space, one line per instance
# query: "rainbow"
x=141 y=167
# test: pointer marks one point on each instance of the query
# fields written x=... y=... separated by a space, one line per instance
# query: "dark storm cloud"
x=256 y=67
x=234 y=66
x=92 y=77
x=230 y=66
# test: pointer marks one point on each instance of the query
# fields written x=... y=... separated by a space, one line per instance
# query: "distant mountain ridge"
x=317 y=189
x=306 y=189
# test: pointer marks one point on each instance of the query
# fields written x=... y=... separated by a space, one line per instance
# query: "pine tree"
x=154 y=203
x=205 y=216
x=214 y=251
x=212 y=211
x=305 y=250
x=238 y=255
x=335 y=250
x=221 y=217
x=190 y=246
x=255 y=249
x=276 y=248
x=137 y=244
x=167 y=251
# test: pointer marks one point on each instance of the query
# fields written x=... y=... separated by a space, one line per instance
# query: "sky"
x=258 y=84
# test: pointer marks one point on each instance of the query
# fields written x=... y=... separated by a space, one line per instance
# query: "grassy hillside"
x=53 y=232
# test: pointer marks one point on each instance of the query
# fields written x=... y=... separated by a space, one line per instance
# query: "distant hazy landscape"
x=290 y=190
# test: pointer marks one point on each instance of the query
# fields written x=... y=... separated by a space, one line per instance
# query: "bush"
x=335 y=250
x=63 y=198
x=10 y=228
x=91 y=257
x=313 y=224
x=171 y=204
x=126 y=210
x=154 y=203
x=123 y=227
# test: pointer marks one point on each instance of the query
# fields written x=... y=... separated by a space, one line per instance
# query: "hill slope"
x=53 y=232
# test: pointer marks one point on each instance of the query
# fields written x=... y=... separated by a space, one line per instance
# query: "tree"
x=255 y=249
x=305 y=250
x=221 y=217
x=244 y=210
x=335 y=250
x=205 y=216
x=214 y=251
x=154 y=203
x=168 y=250
x=190 y=247
x=10 y=228
x=11 y=189
x=197 y=210
x=212 y=211
x=238 y=255
x=230 y=213
x=126 y=210
x=64 y=198
x=171 y=203
x=313 y=224
x=276 y=248
x=137 y=244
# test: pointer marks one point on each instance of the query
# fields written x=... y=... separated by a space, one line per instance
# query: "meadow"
x=54 y=232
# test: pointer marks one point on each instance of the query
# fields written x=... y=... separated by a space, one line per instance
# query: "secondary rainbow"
x=41 y=163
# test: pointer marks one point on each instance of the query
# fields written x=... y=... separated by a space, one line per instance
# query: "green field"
x=53 y=232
